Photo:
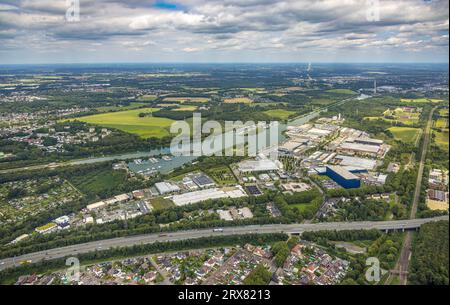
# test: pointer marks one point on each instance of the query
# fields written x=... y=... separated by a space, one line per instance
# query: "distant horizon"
x=223 y=63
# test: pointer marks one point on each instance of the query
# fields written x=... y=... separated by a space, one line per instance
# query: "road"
x=402 y=266
x=192 y=234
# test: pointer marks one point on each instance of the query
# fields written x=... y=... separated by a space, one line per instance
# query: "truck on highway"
x=219 y=230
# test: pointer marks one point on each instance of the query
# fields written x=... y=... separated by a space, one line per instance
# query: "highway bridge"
x=74 y=250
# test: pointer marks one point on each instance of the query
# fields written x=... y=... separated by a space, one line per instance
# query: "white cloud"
x=224 y=26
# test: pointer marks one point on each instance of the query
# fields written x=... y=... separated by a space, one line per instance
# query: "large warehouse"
x=343 y=177
x=203 y=195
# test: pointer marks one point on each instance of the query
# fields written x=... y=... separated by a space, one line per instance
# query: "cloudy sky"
x=38 y=31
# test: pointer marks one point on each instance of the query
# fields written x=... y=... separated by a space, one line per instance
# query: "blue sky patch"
x=168 y=6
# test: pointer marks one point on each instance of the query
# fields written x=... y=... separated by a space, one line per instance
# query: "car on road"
x=25 y=262
x=220 y=230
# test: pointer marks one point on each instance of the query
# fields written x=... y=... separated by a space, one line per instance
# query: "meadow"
x=186 y=108
x=147 y=98
x=238 y=100
x=280 y=114
x=405 y=134
x=159 y=203
x=187 y=99
x=443 y=113
x=441 y=123
x=129 y=121
x=441 y=139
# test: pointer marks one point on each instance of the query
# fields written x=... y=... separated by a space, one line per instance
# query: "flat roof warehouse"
x=343 y=172
x=203 y=195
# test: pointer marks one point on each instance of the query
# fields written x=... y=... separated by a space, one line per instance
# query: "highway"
x=74 y=250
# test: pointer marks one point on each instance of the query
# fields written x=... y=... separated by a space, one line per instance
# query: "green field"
x=405 y=134
x=147 y=98
x=129 y=121
x=187 y=99
x=186 y=108
x=441 y=139
x=280 y=114
x=441 y=123
x=160 y=203
x=443 y=113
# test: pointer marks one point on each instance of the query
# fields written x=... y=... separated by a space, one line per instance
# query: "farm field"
x=441 y=123
x=441 y=139
x=437 y=205
x=238 y=100
x=147 y=98
x=129 y=121
x=405 y=134
x=279 y=113
x=421 y=100
x=443 y=113
x=186 y=108
x=187 y=99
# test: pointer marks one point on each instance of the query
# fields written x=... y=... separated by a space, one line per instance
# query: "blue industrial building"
x=343 y=177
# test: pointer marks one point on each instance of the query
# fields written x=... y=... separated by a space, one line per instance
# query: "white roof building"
x=203 y=195
x=166 y=188
x=123 y=197
x=96 y=205
x=362 y=163
x=264 y=165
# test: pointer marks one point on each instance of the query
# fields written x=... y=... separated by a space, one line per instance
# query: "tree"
x=259 y=276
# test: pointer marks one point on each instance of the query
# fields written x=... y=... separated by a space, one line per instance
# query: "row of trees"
x=430 y=261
